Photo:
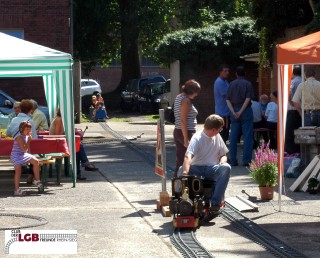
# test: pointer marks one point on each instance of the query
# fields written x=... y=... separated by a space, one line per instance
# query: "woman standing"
x=185 y=119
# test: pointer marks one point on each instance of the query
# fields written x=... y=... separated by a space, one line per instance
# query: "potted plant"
x=264 y=170
x=312 y=185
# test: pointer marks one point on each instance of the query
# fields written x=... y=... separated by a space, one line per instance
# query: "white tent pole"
x=302 y=98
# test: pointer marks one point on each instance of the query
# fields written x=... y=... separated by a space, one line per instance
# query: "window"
x=18 y=33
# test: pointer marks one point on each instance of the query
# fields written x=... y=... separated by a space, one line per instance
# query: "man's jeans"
x=81 y=155
x=218 y=173
x=245 y=125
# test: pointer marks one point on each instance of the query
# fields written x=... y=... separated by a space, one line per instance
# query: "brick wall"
x=44 y=22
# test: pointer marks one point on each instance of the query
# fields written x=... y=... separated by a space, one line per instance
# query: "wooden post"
x=76 y=91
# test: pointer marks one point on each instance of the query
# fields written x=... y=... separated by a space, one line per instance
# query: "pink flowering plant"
x=264 y=167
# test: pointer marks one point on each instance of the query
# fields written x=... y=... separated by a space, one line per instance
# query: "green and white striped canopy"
x=20 y=58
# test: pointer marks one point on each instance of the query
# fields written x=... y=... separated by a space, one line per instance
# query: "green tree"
x=273 y=17
x=96 y=32
x=200 y=13
x=224 y=42
x=110 y=27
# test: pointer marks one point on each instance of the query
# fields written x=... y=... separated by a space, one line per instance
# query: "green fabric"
x=20 y=58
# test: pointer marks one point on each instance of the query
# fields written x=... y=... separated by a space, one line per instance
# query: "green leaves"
x=266 y=175
x=224 y=42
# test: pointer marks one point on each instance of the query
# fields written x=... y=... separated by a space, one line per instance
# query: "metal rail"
x=258 y=234
x=186 y=242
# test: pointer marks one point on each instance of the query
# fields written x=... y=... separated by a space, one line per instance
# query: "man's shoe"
x=213 y=213
x=81 y=178
x=90 y=167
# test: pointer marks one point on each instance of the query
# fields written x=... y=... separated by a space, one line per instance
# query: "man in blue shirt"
x=220 y=89
x=239 y=96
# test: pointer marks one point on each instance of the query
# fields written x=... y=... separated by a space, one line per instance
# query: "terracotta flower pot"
x=266 y=192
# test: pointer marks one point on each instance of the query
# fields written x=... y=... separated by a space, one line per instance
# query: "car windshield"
x=157 y=89
x=87 y=83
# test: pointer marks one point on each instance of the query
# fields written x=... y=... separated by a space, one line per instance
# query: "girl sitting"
x=20 y=155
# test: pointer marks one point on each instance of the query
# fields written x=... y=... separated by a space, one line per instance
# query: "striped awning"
x=20 y=58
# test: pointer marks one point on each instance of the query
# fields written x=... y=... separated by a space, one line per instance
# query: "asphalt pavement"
x=114 y=210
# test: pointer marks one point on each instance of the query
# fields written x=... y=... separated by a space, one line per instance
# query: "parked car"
x=129 y=97
x=4 y=121
x=89 y=87
x=154 y=96
x=6 y=105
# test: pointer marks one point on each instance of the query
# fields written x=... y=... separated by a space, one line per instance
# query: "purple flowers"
x=264 y=167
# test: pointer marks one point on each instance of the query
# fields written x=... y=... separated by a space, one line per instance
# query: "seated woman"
x=56 y=128
x=100 y=114
x=93 y=106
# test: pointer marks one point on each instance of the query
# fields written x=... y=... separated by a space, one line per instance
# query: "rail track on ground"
x=185 y=239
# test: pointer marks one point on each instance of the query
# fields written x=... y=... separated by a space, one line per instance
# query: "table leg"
x=58 y=169
x=67 y=166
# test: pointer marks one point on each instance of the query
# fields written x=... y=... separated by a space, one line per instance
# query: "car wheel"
x=142 y=110
x=123 y=106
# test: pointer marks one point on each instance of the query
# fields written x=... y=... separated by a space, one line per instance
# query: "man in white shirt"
x=206 y=157
x=310 y=90
x=293 y=117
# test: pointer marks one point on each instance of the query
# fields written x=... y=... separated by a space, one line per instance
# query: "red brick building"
x=44 y=22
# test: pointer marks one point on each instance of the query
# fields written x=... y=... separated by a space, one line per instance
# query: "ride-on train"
x=190 y=201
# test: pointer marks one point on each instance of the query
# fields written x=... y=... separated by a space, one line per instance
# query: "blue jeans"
x=218 y=173
x=81 y=155
x=312 y=118
x=245 y=125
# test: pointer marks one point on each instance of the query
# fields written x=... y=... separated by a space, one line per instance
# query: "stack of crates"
x=309 y=139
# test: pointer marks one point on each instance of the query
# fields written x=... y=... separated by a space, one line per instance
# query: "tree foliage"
x=96 y=32
x=273 y=17
x=106 y=29
x=200 y=13
x=225 y=42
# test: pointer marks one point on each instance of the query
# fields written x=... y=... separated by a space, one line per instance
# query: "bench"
x=58 y=165
x=43 y=164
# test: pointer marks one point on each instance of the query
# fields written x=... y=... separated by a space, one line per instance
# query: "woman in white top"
x=272 y=118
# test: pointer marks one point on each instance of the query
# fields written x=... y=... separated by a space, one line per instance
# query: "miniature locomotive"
x=190 y=201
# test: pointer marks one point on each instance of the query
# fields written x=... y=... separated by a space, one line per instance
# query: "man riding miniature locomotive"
x=205 y=161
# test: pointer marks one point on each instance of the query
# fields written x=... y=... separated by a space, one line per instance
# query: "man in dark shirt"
x=239 y=97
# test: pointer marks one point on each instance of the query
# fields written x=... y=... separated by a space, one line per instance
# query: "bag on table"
x=294 y=169
x=79 y=132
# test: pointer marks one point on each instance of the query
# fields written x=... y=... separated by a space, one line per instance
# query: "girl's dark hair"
x=23 y=125
x=190 y=87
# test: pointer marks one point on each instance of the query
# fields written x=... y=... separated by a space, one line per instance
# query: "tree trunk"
x=312 y=5
x=129 y=42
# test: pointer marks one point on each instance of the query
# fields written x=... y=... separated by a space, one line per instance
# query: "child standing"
x=20 y=155
x=272 y=118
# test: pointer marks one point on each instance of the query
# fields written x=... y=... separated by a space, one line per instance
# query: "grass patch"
x=120 y=119
x=152 y=117
x=84 y=118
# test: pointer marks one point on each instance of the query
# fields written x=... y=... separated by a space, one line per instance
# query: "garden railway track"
x=185 y=240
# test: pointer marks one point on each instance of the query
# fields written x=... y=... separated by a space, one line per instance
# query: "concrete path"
x=114 y=209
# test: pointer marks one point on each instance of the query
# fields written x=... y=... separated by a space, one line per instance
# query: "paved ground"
x=114 y=210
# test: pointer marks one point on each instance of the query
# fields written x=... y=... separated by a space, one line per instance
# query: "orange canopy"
x=305 y=50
